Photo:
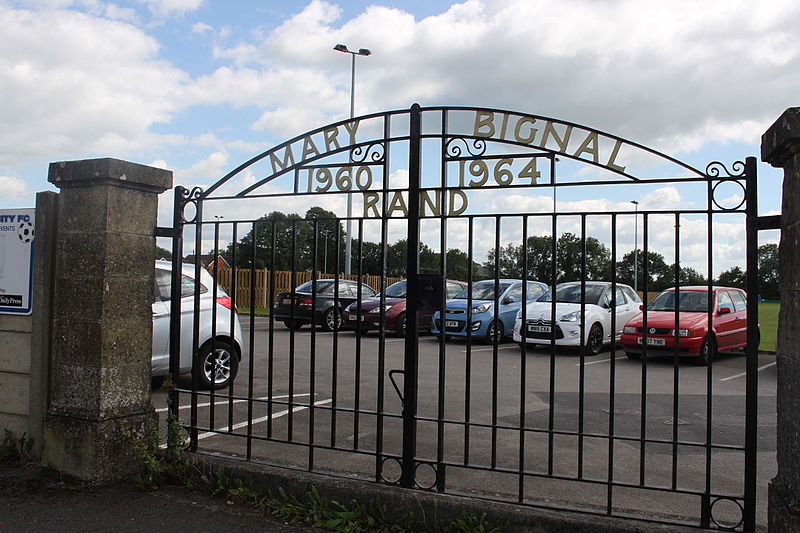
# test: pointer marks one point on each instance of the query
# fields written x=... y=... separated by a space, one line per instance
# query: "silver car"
x=219 y=340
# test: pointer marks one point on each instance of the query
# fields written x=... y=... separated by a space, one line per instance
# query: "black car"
x=295 y=308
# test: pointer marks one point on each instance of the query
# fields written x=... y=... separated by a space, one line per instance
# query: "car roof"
x=702 y=288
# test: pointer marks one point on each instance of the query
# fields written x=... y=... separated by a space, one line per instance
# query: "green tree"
x=659 y=274
x=733 y=277
x=768 y=271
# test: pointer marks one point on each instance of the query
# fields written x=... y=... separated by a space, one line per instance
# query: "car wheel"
x=633 y=355
x=293 y=325
x=332 y=320
x=217 y=365
x=400 y=325
x=494 y=333
x=707 y=352
x=594 y=344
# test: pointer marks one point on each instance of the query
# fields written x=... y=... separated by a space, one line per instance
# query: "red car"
x=369 y=315
x=728 y=324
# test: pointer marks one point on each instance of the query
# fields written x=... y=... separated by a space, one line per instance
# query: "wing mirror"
x=724 y=311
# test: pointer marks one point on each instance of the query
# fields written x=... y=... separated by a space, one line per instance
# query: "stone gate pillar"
x=780 y=147
x=102 y=318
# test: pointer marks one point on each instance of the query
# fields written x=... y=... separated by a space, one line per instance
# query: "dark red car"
x=694 y=337
x=369 y=315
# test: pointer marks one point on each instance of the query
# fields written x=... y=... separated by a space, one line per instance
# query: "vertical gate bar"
x=495 y=355
x=751 y=380
x=252 y=333
x=612 y=373
x=381 y=334
x=643 y=419
x=442 y=351
x=271 y=336
x=178 y=204
x=295 y=298
x=411 y=358
x=198 y=239
x=676 y=357
x=312 y=349
x=468 y=355
x=359 y=272
x=552 y=394
x=335 y=347
x=523 y=364
x=212 y=392
x=582 y=355
x=234 y=297
x=705 y=503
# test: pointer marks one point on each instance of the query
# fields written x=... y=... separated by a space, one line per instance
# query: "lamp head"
x=363 y=52
x=341 y=48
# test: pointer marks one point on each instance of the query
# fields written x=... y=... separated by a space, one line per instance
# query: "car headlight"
x=378 y=309
x=482 y=308
x=686 y=333
x=571 y=317
x=629 y=330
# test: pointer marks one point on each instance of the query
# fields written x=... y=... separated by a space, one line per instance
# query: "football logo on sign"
x=25 y=232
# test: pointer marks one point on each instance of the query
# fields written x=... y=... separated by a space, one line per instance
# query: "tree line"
x=286 y=241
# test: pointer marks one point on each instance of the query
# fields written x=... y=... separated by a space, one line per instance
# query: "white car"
x=597 y=316
x=219 y=341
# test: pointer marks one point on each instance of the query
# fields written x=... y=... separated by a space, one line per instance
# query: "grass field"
x=768 y=321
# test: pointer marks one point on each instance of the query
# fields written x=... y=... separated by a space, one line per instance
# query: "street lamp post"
x=348 y=251
x=635 y=245
x=325 y=234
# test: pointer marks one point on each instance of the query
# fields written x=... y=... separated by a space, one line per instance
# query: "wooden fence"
x=283 y=283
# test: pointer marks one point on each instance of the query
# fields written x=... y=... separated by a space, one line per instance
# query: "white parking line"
x=225 y=429
x=225 y=402
x=492 y=349
x=601 y=361
x=745 y=373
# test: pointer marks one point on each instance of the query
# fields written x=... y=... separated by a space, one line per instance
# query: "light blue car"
x=484 y=321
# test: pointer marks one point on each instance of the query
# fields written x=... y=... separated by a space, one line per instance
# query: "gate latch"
x=394 y=384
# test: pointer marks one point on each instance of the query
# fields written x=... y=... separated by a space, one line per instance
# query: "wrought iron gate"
x=484 y=194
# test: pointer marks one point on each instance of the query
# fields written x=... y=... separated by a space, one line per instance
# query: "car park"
x=389 y=309
x=486 y=310
x=220 y=334
x=319 y=302
x=583 y=311
x=677 y=322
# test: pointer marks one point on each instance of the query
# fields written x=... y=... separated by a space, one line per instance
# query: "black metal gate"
x=478 y=194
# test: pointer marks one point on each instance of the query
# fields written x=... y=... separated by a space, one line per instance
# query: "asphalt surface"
x=30 y=501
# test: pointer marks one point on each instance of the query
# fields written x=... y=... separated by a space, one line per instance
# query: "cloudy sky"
x=199 y=86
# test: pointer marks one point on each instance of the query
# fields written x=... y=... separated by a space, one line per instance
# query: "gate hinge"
x=164 y=232
x=769 y=222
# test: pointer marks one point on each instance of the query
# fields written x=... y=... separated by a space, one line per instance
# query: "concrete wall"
x=25 y=340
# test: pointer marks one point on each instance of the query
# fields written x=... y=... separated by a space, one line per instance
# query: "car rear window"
x=164 y=281
x=738 y=300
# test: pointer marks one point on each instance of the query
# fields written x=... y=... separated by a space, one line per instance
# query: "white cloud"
x=13 y=188
x=171 y=8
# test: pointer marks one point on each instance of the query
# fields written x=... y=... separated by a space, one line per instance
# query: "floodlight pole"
x=635 y=245
x=348 y=251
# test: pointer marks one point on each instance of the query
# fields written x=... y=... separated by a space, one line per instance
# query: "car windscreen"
x=322 y=285
x=690 y=301
x=396 y=290
x=572 y=294
x=482 y=290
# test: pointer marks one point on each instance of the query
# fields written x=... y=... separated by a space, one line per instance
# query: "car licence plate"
x=356 y=318
x=286 y=301
x=451 y=323
x=539 y=329
x=653 y=341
